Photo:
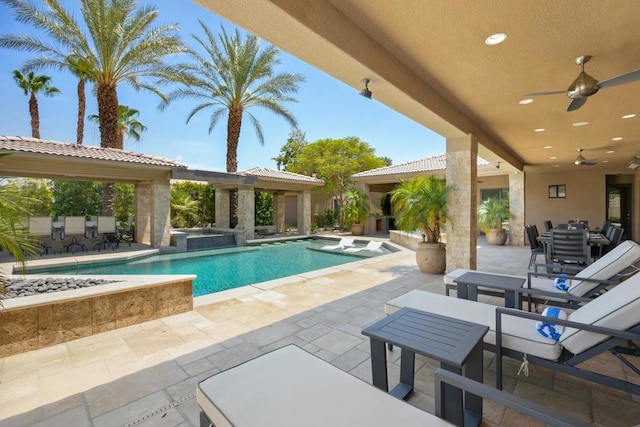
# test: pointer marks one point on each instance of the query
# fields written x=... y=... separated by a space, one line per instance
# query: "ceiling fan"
x=581 y=161
x=584 y=85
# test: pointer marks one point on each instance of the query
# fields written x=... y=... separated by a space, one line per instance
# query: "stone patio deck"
x=146 y=375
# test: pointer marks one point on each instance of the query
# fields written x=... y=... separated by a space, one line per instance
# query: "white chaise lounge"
x=345 y=242
x=372 y=246
x=290 y=387
x=605 y=272
x=615 y=314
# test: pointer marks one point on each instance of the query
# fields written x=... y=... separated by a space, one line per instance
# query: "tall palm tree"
x=233 y=76
x=121 y=45
x=33 y=85
x=127 y=125
x=136 y=50
x=81 y=69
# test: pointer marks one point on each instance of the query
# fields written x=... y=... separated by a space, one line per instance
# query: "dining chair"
x=536 y=247
x=614 y=235
x=569 y=247
x=605 y=228
x=547 y=225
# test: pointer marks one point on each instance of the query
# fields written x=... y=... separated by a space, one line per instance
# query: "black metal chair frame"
x=536 y=247
x=619 y=343
x=569 y=247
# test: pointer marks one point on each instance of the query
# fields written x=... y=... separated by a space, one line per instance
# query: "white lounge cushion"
x=290 y=387
x=614 y=262
x=618 y=309
x=518 y=334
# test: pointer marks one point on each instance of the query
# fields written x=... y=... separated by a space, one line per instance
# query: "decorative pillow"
x=549 y=330
x=562 y=283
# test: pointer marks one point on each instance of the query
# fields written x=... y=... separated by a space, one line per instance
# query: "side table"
x=457 y=344
x=468 y=286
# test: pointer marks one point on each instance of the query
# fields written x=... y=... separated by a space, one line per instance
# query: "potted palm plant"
x=421 y=204
x=491 y=213
x=356 y=210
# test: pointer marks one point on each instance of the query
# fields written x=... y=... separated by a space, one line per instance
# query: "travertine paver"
x=146 y=374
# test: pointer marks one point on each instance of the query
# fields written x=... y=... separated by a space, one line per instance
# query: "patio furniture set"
x=77 y=227
x=288 y=386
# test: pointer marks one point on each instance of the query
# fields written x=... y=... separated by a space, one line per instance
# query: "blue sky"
x=326 y=108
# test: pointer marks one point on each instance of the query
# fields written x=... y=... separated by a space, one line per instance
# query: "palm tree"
x=122 y=45
x=184 y=210
x=137 y=50
x=14 y=237
x=81 y=69
x=32 y=85
x=127 y=125
x=232 y=77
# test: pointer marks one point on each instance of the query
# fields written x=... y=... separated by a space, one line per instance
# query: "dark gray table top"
x=496 y=281
x=442 y=338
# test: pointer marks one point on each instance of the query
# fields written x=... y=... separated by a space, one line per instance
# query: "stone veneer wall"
x=26 y=328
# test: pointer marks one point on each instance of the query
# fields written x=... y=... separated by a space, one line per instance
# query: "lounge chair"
x=345 y=242
x=371 y=246
x=588 y=283
x=106 y=225
x=291 y=387
x=74 y=226
x=610 y=322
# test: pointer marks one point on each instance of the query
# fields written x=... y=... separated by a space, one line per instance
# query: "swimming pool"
x=223 y=269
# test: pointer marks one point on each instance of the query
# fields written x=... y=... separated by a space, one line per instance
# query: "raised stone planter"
x=38 y=321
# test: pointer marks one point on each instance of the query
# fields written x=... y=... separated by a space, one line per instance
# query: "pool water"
x=223 y=269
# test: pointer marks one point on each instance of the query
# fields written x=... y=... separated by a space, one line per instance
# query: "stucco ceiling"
x=428 y=60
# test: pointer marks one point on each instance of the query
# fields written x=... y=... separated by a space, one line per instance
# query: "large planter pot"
x=357 y=229
x=431 y=257
x=496 y=236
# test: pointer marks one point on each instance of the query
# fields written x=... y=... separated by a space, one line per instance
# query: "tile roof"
x=281 y=175
x=428 y=164
x=41 y=146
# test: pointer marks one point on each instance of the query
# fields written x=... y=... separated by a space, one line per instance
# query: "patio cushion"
x=290 y=387
x=619 y=308
x=621 y=257
x=518 y=333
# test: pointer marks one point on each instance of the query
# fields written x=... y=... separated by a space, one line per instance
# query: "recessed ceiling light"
x=610 y=151
x=580 y=123
x=539 y=130
x=556 y=166
x=628 y=116
x=553 y=158
x=496 y=38
x=525 y=101
x=548 y=146
x=605 y=161
x=617 y=138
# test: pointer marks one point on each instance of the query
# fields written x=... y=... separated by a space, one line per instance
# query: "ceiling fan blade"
x=576 y=103
x=619 y=80
x=557 y=92
x=589 y=162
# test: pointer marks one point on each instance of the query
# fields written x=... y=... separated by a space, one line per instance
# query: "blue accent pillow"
x=548 y=329
x=562 y=283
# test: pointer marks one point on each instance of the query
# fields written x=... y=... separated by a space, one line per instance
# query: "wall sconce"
x=498 y=165
x=366 y=92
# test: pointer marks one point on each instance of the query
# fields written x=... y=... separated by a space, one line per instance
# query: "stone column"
x=153 y=224
x=516 y=208
x=462 y=204
x=222 y=208
x=304 y=212
x=247 y=211
x=279 y=211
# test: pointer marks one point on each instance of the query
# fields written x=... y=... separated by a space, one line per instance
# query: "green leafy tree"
x=264 y=208
x=128 y=124
x=37 y=195
x=125 y=202
x=184 y=210
x=76 y=198
x=33 y=85
x=295 y=142
x=334 y=161
x=204 y=194
x=233 y=76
